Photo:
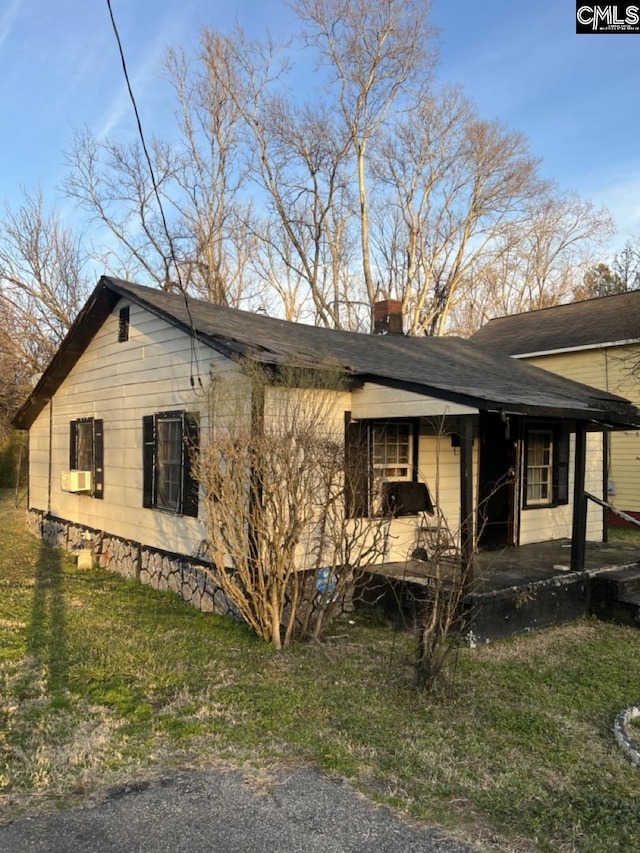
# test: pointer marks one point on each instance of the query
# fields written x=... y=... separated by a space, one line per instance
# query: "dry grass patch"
x=105 y=682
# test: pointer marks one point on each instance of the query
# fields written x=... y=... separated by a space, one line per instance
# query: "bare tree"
x=112 y=183
x=296 y=157
x=214 y=218
x=14 y=373
x=203 y=228
x=443 y=618
x=380 y=183
x=272 y=475
x=626 y=264
x=454 y=186
x=42 y=280
x=540 y=259
x=378 y=57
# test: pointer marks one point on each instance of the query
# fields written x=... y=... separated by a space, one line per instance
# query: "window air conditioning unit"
x=76 y=481
x=406 y=498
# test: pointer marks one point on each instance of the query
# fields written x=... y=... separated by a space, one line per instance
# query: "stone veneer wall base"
x=190 y=578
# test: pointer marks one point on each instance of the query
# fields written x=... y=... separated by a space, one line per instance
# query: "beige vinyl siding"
x=438 y=465
x=329 y=406
x=39 y=461
x=375 y=401
x=438 y=462
x=439 y=468
x=121 y=382
x=586 y=366
x=539 y=524
x=624 y=471
x=610 y=369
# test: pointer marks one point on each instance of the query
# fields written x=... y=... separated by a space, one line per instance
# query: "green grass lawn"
x=624 y=535
x=104 y=681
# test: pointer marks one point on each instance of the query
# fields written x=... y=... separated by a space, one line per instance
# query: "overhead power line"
x=165 y=228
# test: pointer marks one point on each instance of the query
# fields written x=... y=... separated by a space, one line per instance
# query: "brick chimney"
x=387 y=317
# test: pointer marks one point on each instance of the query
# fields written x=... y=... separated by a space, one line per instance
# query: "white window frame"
x=389 y=463
x=540 y=469
x=169 y=469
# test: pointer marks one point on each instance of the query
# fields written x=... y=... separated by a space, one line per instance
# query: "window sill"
x=542 y=506
x=175 y=512
x=392 y=515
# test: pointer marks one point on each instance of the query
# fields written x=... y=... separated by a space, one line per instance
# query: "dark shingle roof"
x=610 y=319
x=449 y=368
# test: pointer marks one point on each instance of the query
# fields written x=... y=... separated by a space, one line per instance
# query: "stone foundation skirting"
x=190 y=578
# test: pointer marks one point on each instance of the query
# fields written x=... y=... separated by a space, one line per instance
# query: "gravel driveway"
x=227 y=812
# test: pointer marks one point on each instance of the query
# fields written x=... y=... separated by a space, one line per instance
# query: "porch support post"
x=466 y=496
x=579 y=530
x=606 y=444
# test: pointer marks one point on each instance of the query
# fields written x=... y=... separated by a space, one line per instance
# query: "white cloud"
x=143 y=74
x=7 y=19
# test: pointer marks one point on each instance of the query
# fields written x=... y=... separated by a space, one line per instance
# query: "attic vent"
x=123 y=325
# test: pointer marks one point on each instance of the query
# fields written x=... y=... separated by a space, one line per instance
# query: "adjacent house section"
x=596 y=342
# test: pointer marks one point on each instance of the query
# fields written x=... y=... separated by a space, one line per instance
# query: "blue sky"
x=575 y=97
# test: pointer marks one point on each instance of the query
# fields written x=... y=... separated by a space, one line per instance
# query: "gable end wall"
x=121 y=382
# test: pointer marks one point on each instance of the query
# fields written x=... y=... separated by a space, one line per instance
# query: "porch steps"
x=615 y=595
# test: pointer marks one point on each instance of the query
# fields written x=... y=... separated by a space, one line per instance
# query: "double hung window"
x=547 y=467
x=170 y=440
x=381 y=471
x=392 y=445
x=539 y=467
x=86 y=451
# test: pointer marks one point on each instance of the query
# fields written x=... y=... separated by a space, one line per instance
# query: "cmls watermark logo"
x=609 y=19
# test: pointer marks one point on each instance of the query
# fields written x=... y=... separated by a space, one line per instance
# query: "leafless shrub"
x=442 y=618
x=444 y=615
x=285 y=552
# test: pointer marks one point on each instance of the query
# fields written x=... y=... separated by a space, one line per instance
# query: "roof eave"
x=624 y=418
x=97 y=307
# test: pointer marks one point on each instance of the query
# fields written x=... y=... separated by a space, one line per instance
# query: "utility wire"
x=194 y=337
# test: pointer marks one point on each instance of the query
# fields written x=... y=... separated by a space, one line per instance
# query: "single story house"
x=596 y=342
x=502 y=447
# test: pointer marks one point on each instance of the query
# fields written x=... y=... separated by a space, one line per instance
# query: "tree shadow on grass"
x=47 y=638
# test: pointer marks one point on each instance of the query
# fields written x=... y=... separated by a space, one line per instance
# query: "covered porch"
x=496 y=476
x=516 y=589
x=507 y=465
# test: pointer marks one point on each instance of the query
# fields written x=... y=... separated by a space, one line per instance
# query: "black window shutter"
x=356 y=468
x=561 y=468
x=98 y=458
x=191 y=435
x=73 y=446
x=148 y=459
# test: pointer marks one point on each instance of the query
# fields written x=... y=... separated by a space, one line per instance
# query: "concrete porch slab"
x=514 y=590
x=516 y=566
